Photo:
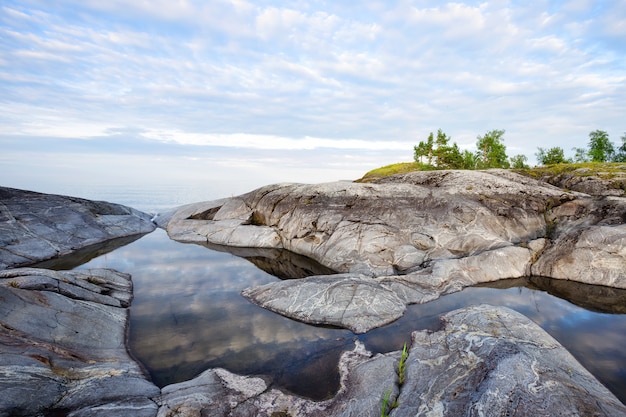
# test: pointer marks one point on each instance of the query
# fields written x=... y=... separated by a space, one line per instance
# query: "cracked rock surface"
x=63 y=345
x=412 y=237
x=35 y=227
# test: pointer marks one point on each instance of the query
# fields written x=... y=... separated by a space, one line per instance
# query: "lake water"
x=188 y=314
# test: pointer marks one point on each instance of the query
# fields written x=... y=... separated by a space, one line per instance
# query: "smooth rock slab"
x=35 y=227
x=495 y=362
x=361 y=303
x=63 y=345
x=352 y=301
x=594 y=255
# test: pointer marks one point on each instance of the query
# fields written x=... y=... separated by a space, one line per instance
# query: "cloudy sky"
x=295 y=90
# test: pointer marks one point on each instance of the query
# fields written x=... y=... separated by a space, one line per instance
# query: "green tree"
x=424 y=150
x=580 y=155
x=438 y=153
x=447 y=156
x=470 y=160
x=620 y=155
x=551 y=156
x=519 y=162
x=491 y=150
x=600 y=147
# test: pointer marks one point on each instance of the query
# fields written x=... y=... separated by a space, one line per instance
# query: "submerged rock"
x=35 y=227
x=410 y=238
x=63 y=345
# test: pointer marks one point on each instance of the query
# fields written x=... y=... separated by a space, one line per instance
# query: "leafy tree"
x=551 y=156
x=448 y=157
x=491 y=150
x=424 y=150
x=519 y=162
x=470 y=160
x=580 y=155
x=600 y=147
x=620 y=155
x=438 y=152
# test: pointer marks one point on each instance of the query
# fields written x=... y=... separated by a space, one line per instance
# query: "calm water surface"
x=188 y=315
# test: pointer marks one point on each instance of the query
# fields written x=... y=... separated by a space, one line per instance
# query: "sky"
x=245 y=93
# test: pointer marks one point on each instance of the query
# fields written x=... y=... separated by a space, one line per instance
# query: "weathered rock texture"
x=36 y=227
x=63 y=334
x=63 y=345
x=605 y=180
x=485 y=361
x=410 y=238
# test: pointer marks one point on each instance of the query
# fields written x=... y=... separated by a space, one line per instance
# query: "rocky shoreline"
x=405 y=239
x=411 y=238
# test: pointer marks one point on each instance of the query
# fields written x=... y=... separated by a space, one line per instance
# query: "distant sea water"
x=151 y=198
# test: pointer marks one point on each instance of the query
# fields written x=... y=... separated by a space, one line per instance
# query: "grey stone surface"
x=35 y=227
x=495 y=362
x=356 y=302
x=412 y=237
x=63 y=345
x=610 y=182
x=215 y=392
x=485 y=361
x=63 y=334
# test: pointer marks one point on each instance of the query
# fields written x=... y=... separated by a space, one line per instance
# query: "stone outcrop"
x=412 y=237
x=63 y=345
x=62 y=352
x=63 y=333
x=35 y=227
x=484 y=361
x=604 y=180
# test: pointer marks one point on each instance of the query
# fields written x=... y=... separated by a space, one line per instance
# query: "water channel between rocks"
x=188 y=315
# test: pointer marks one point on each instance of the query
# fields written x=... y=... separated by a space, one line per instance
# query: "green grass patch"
x=393 y=169
x=387 y=404
x=604 y=170
x=402 y=365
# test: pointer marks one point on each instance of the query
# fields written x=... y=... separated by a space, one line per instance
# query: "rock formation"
x=35 y=227
x=410 y=238
x=62 y=352
x=63 y=345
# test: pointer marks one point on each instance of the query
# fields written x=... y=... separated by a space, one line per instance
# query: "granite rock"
x=35 y=227
x=412 y=237
x=63 y=345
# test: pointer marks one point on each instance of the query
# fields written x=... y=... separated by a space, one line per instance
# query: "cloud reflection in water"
x=188 y=315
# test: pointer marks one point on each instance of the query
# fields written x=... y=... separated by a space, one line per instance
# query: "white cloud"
x=380 y=73
x=251 y=141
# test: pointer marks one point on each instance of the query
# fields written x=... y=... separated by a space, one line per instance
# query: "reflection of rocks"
x=62 y=345
x=280 y=263
x=596 y=298
x=84 y=255
x=591 y=297
x=35 y=227
x=487 y=360
x=412 y=237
